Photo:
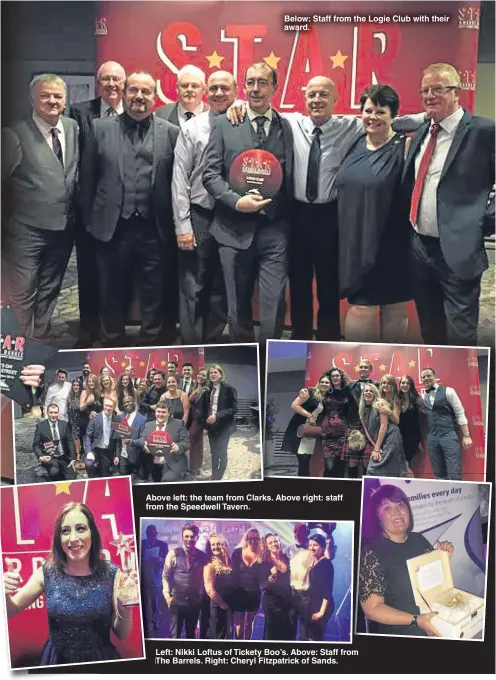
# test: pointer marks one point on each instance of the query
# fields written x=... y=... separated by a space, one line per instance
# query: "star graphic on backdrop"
x=214 y=60
x=62 y=487
x=338 y=59
x=163 y=363
x=272 y=60
x=142 y=363
x=123 y=364
x=357 y=368
x=123 y=543
x=412 y=363
x=382 y=368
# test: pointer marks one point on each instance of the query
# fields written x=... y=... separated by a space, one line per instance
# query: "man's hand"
x=174 y=447
x=169 y=601
x=304 y=394
x=211 y=420
x=467 y=442
x=116 y=460
x=236 y=112
x=45 y=459
x=127 y=441
x=186 y=241
x=252 y=203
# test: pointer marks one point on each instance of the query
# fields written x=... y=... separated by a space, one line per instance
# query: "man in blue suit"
x=99 y=443
x=448 y=176
x=130 y=454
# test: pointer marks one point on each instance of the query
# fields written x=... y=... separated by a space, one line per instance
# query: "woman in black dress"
x=373 y=225
x=74 y=416
x=304 y=405
x=385 y=589
x=248 y=576
x=218 y=578
x=176 y=399
x=410 y=403
x=321 y=580
x=125 y=388
x=277 y=598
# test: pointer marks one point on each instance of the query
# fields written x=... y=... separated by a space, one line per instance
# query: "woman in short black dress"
x=410 y=404
x=304 y=405
x=278 y=596
x=248 y=576
x=74 y=416
x=218 y=578
x=321 y=581
x=373 y=225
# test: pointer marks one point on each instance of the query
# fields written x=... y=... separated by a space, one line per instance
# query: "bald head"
x=320 y=97
x=111 y=77
x=221 y=91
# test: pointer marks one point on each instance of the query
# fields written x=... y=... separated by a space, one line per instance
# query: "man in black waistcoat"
x=364 y=371
x=126 y=187
x=252 y=232
x=183 y=583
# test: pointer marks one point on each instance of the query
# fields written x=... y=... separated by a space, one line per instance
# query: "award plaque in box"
x=122 y=430
x=460 y=614
x=159 y=443
x=256 y=169
x=50 y=449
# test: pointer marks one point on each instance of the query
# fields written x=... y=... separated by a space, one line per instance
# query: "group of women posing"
x=259 y=571
x=387 y=415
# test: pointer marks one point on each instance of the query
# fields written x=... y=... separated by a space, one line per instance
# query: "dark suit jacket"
x=102 y=177
x=84 y=113
x=133 y=450
x=94 y=432
x=151 y=567
x=227 y=407
x=229 y=226
x=43 y=433
x=463 y=192
x=175 y=463
x=356 y=389
x=170 y=112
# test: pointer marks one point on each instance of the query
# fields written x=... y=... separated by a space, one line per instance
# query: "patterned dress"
x=340 y=412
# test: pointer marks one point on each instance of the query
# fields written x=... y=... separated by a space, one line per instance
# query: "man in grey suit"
x=190 y=89
x=39 y=172
x=126 y=184
x=171 y=467
x=448 y=177
x=252 y=231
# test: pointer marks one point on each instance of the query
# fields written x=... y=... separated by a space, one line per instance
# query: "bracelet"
x=124 y=618
x=467 y=434
x=413 y=622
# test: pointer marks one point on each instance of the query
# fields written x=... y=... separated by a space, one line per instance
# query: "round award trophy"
x=256 y=169
x=159 y=444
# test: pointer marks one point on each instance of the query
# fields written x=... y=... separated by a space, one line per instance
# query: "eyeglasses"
x=437 y=90
x=110 y=79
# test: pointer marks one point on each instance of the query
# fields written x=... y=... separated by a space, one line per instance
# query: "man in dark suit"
x=186 y=381
x=252 y=232
x=39 y=174
x=130 y=458
x=127 y=198
x=99 y=443
x=54 y=446
x=448 y=176
x=153 y=395
x=222 y=404
x=110 y=78
x=190 y=90
x=172 y=466
x=153 y=554
x=364 y=371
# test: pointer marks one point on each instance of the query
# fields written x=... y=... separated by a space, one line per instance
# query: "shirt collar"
x=450 y=123
x=182 y=111
x=44 y=127
x=309 y=125
x=104 y=107
x=253 y=114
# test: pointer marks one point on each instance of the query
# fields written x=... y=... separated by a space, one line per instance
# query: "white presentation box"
x=460 y=614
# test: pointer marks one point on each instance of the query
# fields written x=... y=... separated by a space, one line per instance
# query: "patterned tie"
x=422 y=172
x=110 y=112
x=56 y=145
x=261 y=136
x=212 y=395
x=188 y=115
x=312 y=188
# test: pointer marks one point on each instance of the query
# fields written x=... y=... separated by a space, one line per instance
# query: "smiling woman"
x=83 y=594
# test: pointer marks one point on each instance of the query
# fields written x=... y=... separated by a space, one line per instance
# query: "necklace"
x=377 y=144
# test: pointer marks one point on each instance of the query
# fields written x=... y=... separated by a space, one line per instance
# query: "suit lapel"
x=427 y=401
x=174 y=117
x=160 y=140
x=70 y=142
x=460 y=133
x=118 y=132
x=95 y=108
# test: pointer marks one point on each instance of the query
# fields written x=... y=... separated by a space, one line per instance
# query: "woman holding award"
x=385 y=589
x=85 y=599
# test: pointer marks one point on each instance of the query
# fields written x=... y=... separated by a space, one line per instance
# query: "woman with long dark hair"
x=277 y=593
x=197 y=422
x=410 y=404
x=125 y=388
x=78 y=429
x=82 y=593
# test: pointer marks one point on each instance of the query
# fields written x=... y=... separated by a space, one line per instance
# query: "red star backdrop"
x=354 y=43
x=145 y=359
x=456 y=367
x=28 y=513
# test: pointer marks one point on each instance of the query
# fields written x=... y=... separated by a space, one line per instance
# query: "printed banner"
x=455 y=367
x=142 y=360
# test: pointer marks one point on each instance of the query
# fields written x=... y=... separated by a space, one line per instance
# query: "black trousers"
x=101 y=465
x=202 y=293
x=304 y=464
x=183 y=615
x=88 y=292
x=265 y=261
x=447 y=306
x=35 y=261
x=135 y=248
x=301 y=612
x=126 y=467
x=58 y=469
x=314 y=251
x=219 y=441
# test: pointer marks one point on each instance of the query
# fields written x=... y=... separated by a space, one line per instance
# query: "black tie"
x=261 y=136
x=431 y=389
x=188 y=115
x=111 y=112
x=56 y=145
x=314 y=167
x=54 y=433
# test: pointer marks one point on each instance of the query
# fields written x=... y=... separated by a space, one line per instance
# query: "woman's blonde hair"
x=225 y=557
x=379 y=403
x=394 y=400
x=244 y=543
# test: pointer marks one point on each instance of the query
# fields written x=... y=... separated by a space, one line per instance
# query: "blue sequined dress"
x=80 y=610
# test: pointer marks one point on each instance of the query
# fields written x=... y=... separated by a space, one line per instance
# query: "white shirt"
x=186 y=386
x=45 y=128
x=57 y=394
x=300 y=566
x=56 y=435
x=427 y=215
x=181 y=113
x=104 y=107
x=215 y=401
x=268 y=119
x=130 y=420
x=453 y=400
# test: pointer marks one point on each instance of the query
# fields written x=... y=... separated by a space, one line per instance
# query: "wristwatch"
x=466 y=434
x=413 y=622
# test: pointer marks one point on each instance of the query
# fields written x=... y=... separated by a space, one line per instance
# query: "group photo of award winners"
x=189 y=219
x=70 y=573
x=423 y=558
x=343 y=410
x=157 y=414
x=247 y=580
